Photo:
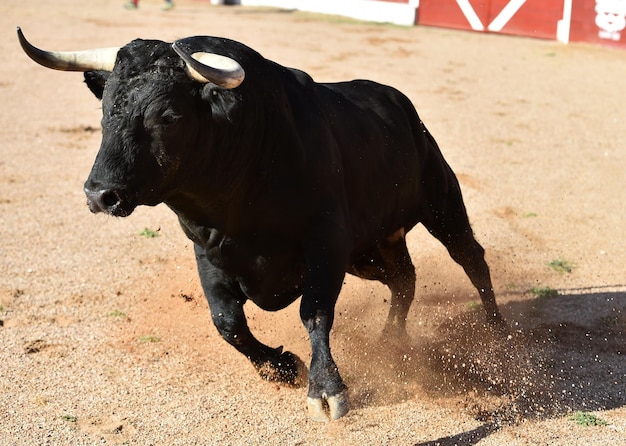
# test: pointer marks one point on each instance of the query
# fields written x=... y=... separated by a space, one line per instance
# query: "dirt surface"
x=106 y=337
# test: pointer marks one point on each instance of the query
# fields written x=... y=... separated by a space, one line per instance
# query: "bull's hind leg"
x=400 y=278
x=446 y=219
x=390 y=263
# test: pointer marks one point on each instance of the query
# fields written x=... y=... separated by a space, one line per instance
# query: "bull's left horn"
x=88 y=60
x=209 y=67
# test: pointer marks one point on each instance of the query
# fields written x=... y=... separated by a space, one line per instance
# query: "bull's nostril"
x=110 y=199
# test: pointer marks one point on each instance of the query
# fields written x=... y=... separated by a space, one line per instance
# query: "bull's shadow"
x=565 y=353
x=468 y=438
x=579 y=343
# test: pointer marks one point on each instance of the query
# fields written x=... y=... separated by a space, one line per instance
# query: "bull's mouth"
x=109 y=201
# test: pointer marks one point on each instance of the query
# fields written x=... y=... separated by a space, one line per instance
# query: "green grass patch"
x=474 y=306
x=529 y=215
x=543 y=292
x=542 y=295
x=117 y=313
x=149 y=233
x=561 y=265
x=70 y=418
x=149 y=338
x=613 y=324
x=587 y=419
x=506 y=142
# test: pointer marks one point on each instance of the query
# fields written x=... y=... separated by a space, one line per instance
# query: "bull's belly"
x=271 y=281
x=275 y=286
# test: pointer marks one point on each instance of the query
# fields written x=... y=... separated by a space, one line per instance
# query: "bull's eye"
x=169 y=118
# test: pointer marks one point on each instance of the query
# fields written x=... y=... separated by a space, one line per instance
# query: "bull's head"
x=152 y=117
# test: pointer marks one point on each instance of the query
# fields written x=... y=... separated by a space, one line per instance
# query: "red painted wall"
x=535 y=18
x=596 y=21
x=448 y=14
x=602 y=21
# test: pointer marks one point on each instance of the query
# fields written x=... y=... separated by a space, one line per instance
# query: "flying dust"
x=544 y=366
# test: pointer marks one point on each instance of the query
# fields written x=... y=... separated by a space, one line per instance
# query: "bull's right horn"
x=100 y=59
x=209 y=67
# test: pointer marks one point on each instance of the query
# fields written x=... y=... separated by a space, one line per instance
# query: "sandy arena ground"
x=106 y=337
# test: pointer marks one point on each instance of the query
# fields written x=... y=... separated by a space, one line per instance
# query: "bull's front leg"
x=226 y=302
x=328 y=397
x=326 y=256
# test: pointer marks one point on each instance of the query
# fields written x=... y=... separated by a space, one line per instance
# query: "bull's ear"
x=95 y=80
x=224 y=105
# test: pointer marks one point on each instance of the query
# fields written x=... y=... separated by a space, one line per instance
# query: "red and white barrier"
x=597 y=21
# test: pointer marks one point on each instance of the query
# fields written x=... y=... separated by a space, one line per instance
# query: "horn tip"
x=20 y=34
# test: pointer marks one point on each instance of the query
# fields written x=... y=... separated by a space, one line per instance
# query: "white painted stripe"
x=505 y=15
x=563 y=25
x=370 y=10
x=470 y=15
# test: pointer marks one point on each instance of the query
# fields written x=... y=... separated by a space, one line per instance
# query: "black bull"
x=283 y=184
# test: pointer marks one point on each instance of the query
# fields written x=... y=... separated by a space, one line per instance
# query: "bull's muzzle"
x=105 y=200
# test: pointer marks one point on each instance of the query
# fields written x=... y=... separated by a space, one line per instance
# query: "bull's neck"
x=245 y=164
x=222 y=193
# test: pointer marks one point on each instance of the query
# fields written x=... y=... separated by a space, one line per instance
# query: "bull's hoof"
x=394 y=333
x=328 y=408
x=498 y=323
x=285 y=368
